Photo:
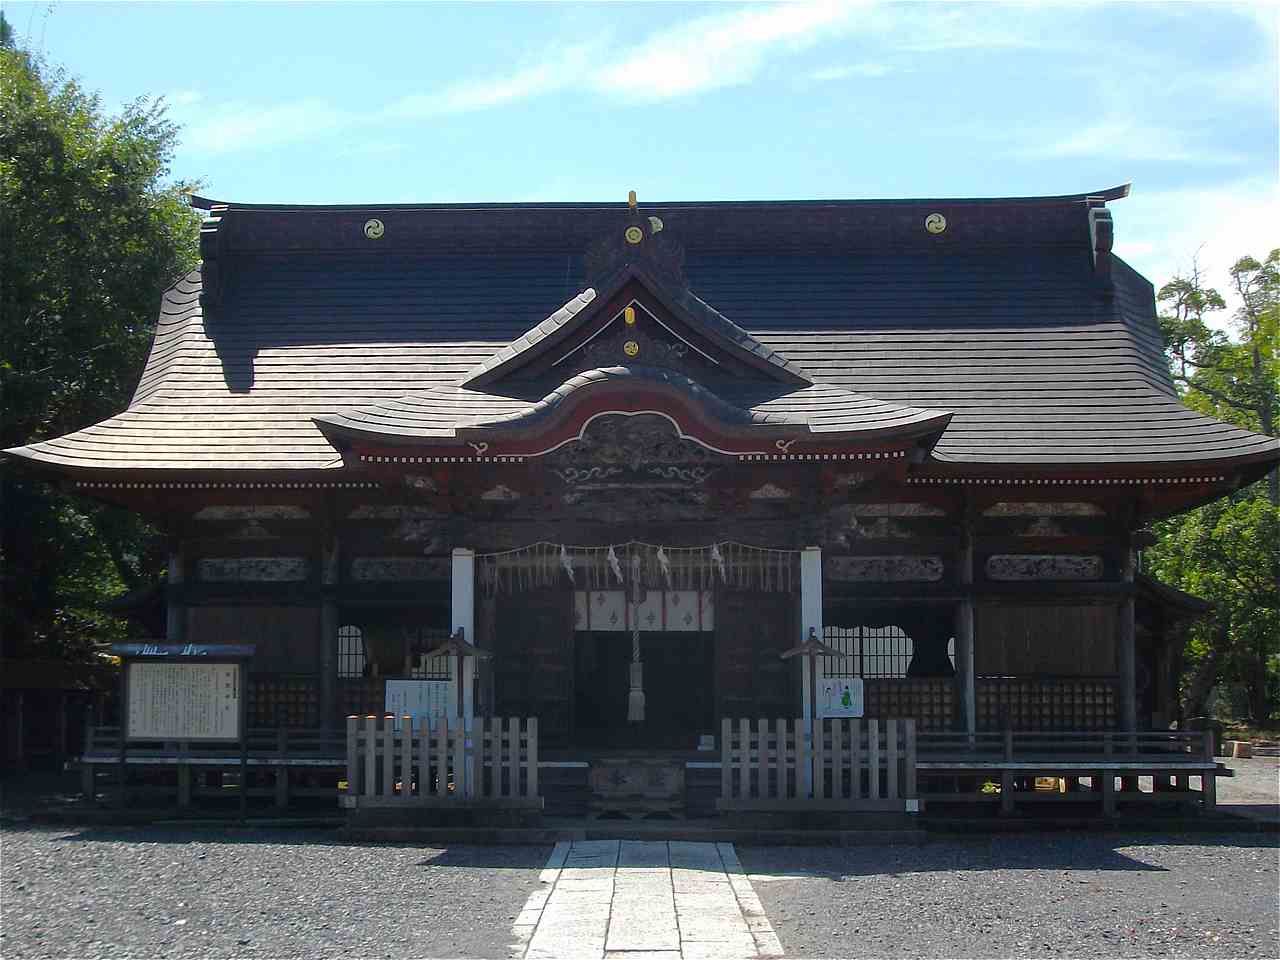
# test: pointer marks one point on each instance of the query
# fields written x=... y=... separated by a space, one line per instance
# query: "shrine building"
x=633 y=453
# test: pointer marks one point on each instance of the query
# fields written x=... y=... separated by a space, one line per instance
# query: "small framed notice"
x=184 y=701
x=840 y=697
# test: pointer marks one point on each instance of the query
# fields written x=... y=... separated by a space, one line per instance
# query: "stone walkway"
x=630 y=900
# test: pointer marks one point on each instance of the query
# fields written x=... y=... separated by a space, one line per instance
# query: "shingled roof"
x=1017 y=320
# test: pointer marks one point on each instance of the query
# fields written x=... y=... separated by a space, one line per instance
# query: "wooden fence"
x=1011 y=761
x=851 y=765
x=394 y=761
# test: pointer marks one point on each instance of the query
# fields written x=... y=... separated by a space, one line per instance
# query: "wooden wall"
x=287 y=638
x=1057 y=639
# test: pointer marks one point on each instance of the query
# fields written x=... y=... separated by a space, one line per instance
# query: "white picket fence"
x=430 y=761
x=851 y=765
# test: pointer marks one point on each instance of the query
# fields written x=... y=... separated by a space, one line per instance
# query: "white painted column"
x=464 y=618
x=810 y=615
x=810 y=625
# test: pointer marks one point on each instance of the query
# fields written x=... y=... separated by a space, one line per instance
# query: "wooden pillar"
x=60 y=744
x=1126 y=652
x=176 y=612
x=330 y=562
x=19 y=732
x=966 y=696
x=463 y=608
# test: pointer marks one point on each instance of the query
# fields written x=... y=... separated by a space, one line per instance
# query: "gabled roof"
x=1042 y=344
x=557 y=331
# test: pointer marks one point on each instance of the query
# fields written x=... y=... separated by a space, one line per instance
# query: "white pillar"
x=464 y=618
x=810 y=615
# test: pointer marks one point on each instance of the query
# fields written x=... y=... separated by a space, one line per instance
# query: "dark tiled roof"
x=439 y=413
x=1003 y=322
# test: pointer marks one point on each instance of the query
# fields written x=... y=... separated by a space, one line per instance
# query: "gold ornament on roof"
x=373 y=229
x=631 y=348
x=633 y=234
x=935 y=223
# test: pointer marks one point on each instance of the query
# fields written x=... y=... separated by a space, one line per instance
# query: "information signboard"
x=840 y=697
x=421 y=698
x=184 y=701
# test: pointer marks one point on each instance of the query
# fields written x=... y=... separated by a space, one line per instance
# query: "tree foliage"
x=91 y=232
x=1229 y=551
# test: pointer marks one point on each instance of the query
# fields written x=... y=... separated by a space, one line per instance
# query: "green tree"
x=1229 y=551
x=91 y=232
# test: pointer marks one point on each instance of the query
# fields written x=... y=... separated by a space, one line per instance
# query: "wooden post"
x=1108 y=793
x=330 y=577
x=1006 y=792
x=88 y=784
x=175 y=602
x=184 y=776
x=966 y=696
x=1126 y=654
x=61 y=733
x=19 y=746
x=533 y=757
x=726 y=734
x=282 y=771
x=911 y=790
x=463 y=617
x=873 y=760
x=353 y=757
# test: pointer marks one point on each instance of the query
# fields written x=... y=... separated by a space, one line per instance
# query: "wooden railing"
x=279 y=750
x=395 y=761
x=849 y=765
x=1075 y=746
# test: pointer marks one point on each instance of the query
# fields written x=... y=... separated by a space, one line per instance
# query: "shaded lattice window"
x=351 y=653
x=420 y=641
x=872 y=652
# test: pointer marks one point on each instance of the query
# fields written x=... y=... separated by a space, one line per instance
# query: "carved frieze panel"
x=1008 y=508
x=896 y=510
x=399 y=569
x=253 y=569
x=885 y=569
x=1042 y=527
x=281 y=511
x=421 y=482
x=770 y=491
x=393 y=511
x=1032 y=566
x=633 y=451
x=500 y=494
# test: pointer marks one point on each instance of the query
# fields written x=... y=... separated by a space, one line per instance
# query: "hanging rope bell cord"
x=635 y=698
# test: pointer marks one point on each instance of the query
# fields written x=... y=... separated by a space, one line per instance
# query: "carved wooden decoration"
x=1030 y=566
x=885 y=569
x=399 y=569
x=253 y=569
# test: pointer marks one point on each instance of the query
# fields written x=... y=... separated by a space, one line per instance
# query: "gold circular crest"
x=631 y=348
x=633 y=235
x=935 y=223
x=373 y=229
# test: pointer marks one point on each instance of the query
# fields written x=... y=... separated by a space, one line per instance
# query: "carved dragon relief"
x=636 y=461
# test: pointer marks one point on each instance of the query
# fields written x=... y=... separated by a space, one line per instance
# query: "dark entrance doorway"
x=679 y=704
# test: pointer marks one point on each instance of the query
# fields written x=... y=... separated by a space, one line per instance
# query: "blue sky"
x=506 y=102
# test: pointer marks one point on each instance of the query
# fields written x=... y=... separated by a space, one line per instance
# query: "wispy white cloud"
x=1128 y=139
x=236 y=125
x=721 y=50
x=868 y=70
x=554 y=70
x=1165 y=232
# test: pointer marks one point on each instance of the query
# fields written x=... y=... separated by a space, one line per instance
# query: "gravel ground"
x=188 y=893
x=1254 y=790
x=1079 y=895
